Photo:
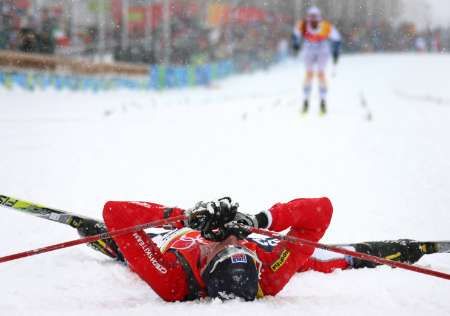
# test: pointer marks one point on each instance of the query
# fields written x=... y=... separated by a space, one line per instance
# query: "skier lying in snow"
x=200 y=258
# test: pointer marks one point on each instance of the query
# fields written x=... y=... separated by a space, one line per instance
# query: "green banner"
x=97 y=5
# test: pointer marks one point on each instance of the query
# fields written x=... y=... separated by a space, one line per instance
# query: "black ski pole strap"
x=194 y=286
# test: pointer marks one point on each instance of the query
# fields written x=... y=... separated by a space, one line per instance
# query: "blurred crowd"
x=26 y=33
x=193 y=41
x=385 y=37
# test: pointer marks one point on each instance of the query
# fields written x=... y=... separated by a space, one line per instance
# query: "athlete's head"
x=232 y=273
x=314 y=16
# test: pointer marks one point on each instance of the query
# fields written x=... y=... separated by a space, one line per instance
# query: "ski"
x=40 y=211
x=426 y=247
x=85 y=226
x=442 y=246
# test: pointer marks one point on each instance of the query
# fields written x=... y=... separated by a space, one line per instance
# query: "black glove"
x=199 y=216
x=336 y=51
x=246 y=219
x=241 y=231
x=242 y=223
x=295 y=44
x=210 y=218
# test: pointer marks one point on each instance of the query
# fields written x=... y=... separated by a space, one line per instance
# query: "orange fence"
x=22 y=61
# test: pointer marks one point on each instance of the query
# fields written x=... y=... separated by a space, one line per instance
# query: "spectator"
x=46 y=38
x=28 y=40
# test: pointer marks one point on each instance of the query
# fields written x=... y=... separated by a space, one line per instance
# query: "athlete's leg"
x=326 y=261
x=308 y=82
x=307 y=87
x=107 y=246
x=323 y=88
x=322 y=62
x=309 y=58
x=403 y=250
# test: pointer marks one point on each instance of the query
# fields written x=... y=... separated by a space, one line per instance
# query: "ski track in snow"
x=388 y=178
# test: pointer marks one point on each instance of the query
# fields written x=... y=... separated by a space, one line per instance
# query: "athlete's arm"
x=162 y=271
x=296 y=37
x=308 y=219
x=335 y=36
x=336 y=42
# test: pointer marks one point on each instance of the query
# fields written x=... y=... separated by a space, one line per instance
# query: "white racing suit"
x=318 y=44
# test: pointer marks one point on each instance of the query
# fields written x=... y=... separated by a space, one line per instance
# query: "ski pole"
x=355 y=254
x=126 y=230
x=334 y=71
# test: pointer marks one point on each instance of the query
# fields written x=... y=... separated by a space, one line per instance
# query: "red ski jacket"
x=171 y=264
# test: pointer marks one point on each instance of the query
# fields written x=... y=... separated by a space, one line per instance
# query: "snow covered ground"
x=382 y=155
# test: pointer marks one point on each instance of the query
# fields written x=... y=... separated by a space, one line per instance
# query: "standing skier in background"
x=319 y=40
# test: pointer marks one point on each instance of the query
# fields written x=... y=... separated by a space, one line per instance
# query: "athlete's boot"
x=106 y=246
x=305 y=106
x=323 y=107
x=402 y=250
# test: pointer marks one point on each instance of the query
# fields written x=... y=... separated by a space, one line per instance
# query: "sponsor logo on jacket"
x=264 y=242
x=281 y=261
x=148 y=252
